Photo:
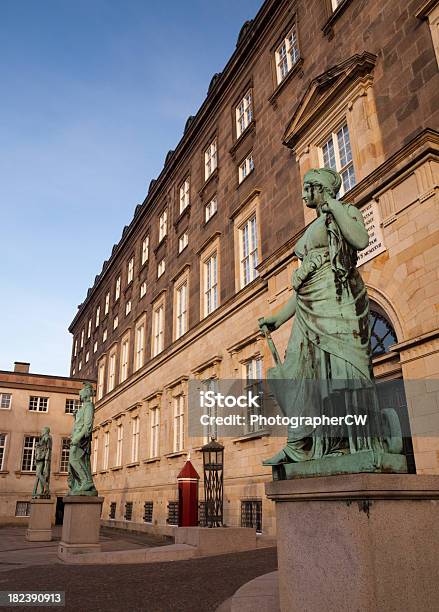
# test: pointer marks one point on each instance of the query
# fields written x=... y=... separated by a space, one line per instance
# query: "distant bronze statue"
x=43 y=457
x=80 y=479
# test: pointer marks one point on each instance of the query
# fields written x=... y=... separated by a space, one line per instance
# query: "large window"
x=107 y=303
x=5 y=401
x=28 y=459
x=117 y=289
x=119 y=446
x=178 y=423
x=130 y=272
x=38 y=404
x=251 y=514
x=181 y=312
x=163 y=225
x=158 y=329
x=161 y=267
x=211 y=284
x=112 y=372
x=210 y=159
x=210 y=209
x=287 y=54
x=140 y=346
x=245 y=168
x=101 y=379
x=124 y=359
x=211 y=430
x=337 y=155
x=95 y=453
x=154 y=433
x=244 y=113
x=253 y=378
x=98 y=315
x=64 y=458
x=106 y=457
x=148 y=511
x=248 y=251
x=3 y=438
x=145 y=249
x=72 y=406
x=184 y=195
x=89 y=329
x=135 y=432
x=183 y=241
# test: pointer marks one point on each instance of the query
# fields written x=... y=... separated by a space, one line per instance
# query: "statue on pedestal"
x=80 y=479
x=43 y=457
x=327 y=367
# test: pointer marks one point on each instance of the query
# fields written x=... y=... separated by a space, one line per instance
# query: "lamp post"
x=213 y=466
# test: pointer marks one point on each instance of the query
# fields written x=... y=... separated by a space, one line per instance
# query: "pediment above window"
x=324 y=89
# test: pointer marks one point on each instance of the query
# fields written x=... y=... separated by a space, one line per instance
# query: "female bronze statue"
x=80 y=479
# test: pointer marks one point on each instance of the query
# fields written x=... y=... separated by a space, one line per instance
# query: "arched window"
x=382 y=334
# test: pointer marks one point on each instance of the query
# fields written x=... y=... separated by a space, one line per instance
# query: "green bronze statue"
x=43 y=458
x=80 y=479
x=328 y=356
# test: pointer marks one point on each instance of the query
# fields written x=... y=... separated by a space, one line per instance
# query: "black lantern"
x=213 y=464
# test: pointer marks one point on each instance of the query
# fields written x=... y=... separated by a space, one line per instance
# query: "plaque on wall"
x=372 y=222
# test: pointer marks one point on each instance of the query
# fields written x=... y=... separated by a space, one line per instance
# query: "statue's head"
x=87 y=391
x=45 y=431
x=318 y=182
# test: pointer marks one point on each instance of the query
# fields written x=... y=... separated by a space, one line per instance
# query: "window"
x=147 y=511
x=38 y=404
x=28 y=459
x=128 y=511
x=124 y=360
x=22 y=508
x=181 y=321
x=251 y=514
x=95 y=347
x=115 y=322
x=286 y=55
x=245 y=168
x=112 y=514
x=128 y=308
x=161 y=268
x=117 y=289
x=382 y=334
x=135 y=430
x=211 y=429
x=112 y=372
x=248 y=244
x=142 y=289
x=89 y=329
x=210 y=284
x=106 y=450
x=210 y=209
x=98 y=315
x=82 y=338
x=183 y=242
x=172 y=513
x=64 y=460
x=163 y=225
x=80 y=366
x=119 y=446
x=253 y=378
x=159 y=330
x=337 y=154
x=72 y=406
x=244 y=113
x=145 y=249
x=5 y=401
x=335 y=4
x=140 y=345
x=107 y=303
x=2 y=450
x=95 y=454
x=101 y=374
x=178 y=423
x=87 y=356
x=130 y=274
x=210 y=159
x=184 y=195
x=154 y=432
x=75 y=350
x=104 y=335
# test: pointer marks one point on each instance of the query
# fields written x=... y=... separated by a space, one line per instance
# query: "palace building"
x=350 y=85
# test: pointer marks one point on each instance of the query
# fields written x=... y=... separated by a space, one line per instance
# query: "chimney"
x=21 y=366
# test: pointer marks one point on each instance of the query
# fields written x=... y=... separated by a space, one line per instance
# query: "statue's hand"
x=330 y=203
x=269 y=322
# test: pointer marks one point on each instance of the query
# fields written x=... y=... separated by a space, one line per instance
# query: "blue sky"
x=93 y=95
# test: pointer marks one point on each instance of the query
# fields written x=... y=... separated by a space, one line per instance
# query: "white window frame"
x=161 y=267
x=128 y=308
x=287 y=54
x=333 y=138
x=183 y=241
x=107 y=303
x=210 y=159
x=154 y=429
x=106 y=456
x=140 y=345
x=104 y=335
x=130 y=271
x=64 y=456
x=95 y=347
x=111 y=383
x=245 y=168
x=244 y=113
x=181 y=313
x=124 y=359
x=119 y=445
x=31 y=448
x=5 y=404
x=210 y=288
x=82 y=338
x=253 y=375
x=184 y=195
x=163 y=224
x=248 y=250
x=117 y=289
x=87 y=356
x=115 y=322
x=179 y=423
x=98 y=316
x=75 y=348
x=38 y=403
x=158 y=343
x=143 y=289
x=95 y=454
x=89 y=329
x=135 y=432
x=101 y=380
x=3 y=446
x=145 y=249
x=210 y=209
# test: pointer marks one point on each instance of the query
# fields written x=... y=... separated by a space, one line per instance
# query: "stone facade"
x=367 y=67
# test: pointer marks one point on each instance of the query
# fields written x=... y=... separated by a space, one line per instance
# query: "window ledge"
x=296 y=69
x=327 y=28
x=103 y=471
x=115 y=468
x=133 y=464
x=254 y=435
x=24 y=473
x=151 y=460
x=176 y=454
x=60 y=473
x=4 y=472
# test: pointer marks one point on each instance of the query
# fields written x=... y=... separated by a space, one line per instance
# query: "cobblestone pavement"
x=197 y=585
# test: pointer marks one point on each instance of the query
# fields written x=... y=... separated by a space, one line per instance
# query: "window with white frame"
x=75 y=350
x=183 y=242
x=38 y=404
x=210 y=209
x=28 y=459
x=80 y=366
x=210 y=159
x=287 y=54
x=117 y=289
x=112 y=372
x=106 y=457
x=211 y=284
x=182 y=312
x=248 y=243
x=89 y=329
x=245 y=167
x=143 y=289
x=5 y=401
x=244 y=113
x=154 y=417
x=130 y=272
x=124 y=360
x=115 y=322
x=98 y=316
x=184 y=195
x=158 y=330
x=336 y=153
x=145 y=249
x=101 y=379
x=71 y=406
x=211 y=429
x=119 y=446
x=135 y=431
x=95 y=454
x=95 y=347
x=104 y=335
x=87 y=356
x=3 y=439
x=178 y=423
x=253 y=384
x=161 y=266
x=73 y=372
x=82 y=338
x=140 y=345
x=64 y=457
x=128 y=308
x=163 y=225
x=107 y=303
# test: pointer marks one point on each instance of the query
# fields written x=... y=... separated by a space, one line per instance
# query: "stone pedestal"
x=366 y=542
x=216 y=540
x=81 y=524
x=40 y=520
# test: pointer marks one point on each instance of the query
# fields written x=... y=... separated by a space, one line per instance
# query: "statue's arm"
x=282 y=316
x=350 y=221
x=87 y=425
